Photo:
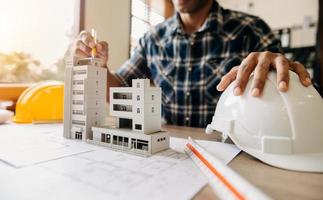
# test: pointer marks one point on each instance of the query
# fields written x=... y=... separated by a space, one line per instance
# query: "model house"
x=137 y=110
x=84 y=98
x=137 y=107
x=138 y=120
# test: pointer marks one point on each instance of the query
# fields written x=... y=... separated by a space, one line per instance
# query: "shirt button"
x=189 y=69
x=187 y=119
x=188 y=94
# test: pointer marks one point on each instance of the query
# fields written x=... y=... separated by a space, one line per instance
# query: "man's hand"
x=83 y=46
x=260 y=63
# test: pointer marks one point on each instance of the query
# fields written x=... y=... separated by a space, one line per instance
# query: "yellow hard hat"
x=41 y=103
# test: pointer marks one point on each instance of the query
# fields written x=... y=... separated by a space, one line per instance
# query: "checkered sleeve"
x=263 y=38
x=136 y=66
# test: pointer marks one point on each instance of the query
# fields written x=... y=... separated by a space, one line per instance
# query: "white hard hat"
x=281 y=129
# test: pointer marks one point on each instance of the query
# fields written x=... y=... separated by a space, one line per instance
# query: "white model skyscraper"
x=84 y=98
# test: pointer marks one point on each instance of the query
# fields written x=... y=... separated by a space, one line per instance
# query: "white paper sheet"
x=22 y=145
x=222 y=151
x=66 y=169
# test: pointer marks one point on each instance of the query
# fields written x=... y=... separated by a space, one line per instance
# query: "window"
x=115 y=139
x=78 y=92
x=138 y=110
x=139 y=144
x=78 y=135
x=78 y=122
x=108 y=138
x=147 y=13
x=77 y=102
x=152 y=97
x=142 y=145
x=103 y=137
x=118 y=95
x=34 y=37
x=125 y=141
x=138 y=98
x=78 y=72
x=125 y=123
x=78 y=82
x=138 y=126
x=120 y=140
x=152 y=109
x=138 y=85
x=134 y=143
x=77 y=112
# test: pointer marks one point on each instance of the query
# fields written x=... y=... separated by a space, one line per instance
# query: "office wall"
x=111 y=19
x=277 y=13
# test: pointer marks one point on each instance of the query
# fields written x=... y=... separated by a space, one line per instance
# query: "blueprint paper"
x=105 y=174
x=22 y=145
x=51 y=167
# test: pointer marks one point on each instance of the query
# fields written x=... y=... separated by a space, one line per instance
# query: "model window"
x=120 y=140
x=115 y=139
x=152 y=97
x=133 y=143
x=79 y=72
x=138 y=85
x=138 y=98
x=138 y=126
x=152 y=109
x=78 y=135
x=77 y=112
x=125 y=141
x=77 y=82
x=138 y=110
x=108 y=138
x=77 y=92
x=142 y=145
x=77 y=102
x=78 y=122
x=103 y=137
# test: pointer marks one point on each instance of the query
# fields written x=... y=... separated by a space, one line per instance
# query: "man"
x=203 y=47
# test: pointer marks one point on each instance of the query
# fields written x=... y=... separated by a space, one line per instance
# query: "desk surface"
x=275 y=182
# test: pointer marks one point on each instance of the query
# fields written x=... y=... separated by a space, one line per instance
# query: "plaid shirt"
x=189 y=67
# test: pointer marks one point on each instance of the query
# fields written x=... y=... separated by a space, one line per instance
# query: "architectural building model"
x=84 y=98
x=137 y=110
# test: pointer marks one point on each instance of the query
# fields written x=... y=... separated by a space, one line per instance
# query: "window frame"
x=12 y=91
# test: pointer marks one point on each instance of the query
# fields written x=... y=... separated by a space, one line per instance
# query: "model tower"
x=84 y=97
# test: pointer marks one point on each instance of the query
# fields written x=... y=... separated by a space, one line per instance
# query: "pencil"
x=93 y=51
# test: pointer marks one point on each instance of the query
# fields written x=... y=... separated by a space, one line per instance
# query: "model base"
x=130 y=141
